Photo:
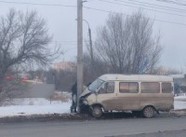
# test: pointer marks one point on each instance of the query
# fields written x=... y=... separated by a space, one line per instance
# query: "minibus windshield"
x=95 y=85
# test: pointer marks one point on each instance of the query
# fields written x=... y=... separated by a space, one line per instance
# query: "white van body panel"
x=132 y=101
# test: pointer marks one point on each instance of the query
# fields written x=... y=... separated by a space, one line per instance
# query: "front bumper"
x=83 y=106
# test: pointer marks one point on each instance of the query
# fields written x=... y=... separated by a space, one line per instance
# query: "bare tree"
x=91 y=72
x=127 y=44
x=161 y=70
x=24 y=41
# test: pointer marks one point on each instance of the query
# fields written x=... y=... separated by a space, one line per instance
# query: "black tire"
x=97 y=111
x=148 y=112
x=84 y=109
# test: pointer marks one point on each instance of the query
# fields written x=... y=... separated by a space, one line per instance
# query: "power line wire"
x=158 y=20
x=172 y=2
x=86 y=7
x=153 y=5
x=73 y=6
x=38 y=4
x=134 y=6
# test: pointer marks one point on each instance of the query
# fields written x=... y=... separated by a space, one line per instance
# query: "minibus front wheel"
x=97 y=111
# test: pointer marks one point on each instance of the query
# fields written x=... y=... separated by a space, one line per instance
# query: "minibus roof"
x=146 y=78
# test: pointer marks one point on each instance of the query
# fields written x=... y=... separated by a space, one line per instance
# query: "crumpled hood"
x=85 y=92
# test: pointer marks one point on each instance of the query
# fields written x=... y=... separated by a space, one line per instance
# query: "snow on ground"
x=30 y=101
x=179 y=105
x=180 y=102
x=180 y=98
x=37 y=106
x=34 y=106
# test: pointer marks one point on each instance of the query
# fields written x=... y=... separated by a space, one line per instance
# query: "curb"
x=45 y=118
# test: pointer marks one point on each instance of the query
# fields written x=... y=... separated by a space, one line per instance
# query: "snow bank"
x=179 y=105
x=179 y=102
x=34 y=106
x=180 y=98
x=39 y=106
x=30 y=101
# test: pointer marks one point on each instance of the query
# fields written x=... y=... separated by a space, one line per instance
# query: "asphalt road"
x=94 y=128
x=175 y=133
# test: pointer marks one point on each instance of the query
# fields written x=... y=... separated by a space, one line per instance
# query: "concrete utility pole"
x=80 y=49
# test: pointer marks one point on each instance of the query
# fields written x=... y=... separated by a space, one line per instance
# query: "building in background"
x=63 y=65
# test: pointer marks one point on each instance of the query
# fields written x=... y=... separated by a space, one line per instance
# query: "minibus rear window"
x=150 y=87
x=167 y=88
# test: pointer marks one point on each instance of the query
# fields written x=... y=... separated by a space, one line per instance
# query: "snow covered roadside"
x=180 y=102
x=180 y=98
x=41 y=106
x=34 y=106
x=178 y=105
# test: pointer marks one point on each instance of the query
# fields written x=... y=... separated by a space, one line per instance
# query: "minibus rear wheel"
x=148 y=112
x=97 y=111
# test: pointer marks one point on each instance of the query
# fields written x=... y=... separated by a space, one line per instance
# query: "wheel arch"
x=150 y=106
x=98 y=104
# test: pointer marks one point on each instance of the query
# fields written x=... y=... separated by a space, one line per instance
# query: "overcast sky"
x=62 y=24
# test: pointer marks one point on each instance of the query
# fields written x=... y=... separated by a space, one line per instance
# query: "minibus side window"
x=150 y=87
x=107 y=88
x=166 y=88
x=128 y=87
